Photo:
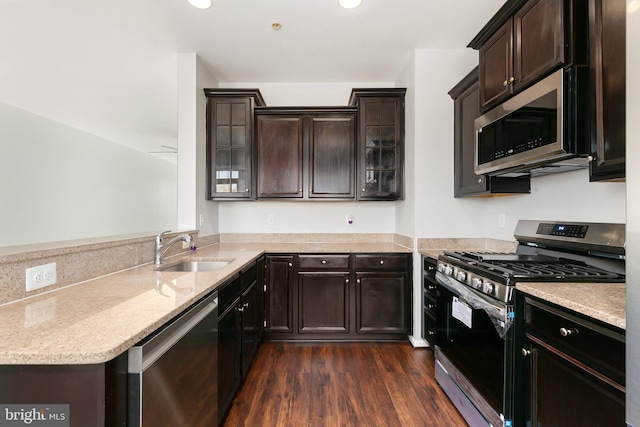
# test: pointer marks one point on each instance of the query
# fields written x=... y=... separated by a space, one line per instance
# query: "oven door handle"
x=500 y=313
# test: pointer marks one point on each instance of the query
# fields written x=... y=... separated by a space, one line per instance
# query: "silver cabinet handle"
x=381 y=261
x=525 y=352
x=568 y=332
x=323 y=262
x=358 y=281
x=346 y=281
x=290 y=265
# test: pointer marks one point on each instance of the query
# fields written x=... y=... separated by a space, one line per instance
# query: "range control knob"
x=448 y=270
x=461 y=276
x=476 y=283
x=441 y=267
x=488 y=288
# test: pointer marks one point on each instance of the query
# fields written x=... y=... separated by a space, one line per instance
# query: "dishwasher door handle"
x=143 y=355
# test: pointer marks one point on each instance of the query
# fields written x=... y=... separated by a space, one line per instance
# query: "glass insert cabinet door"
x=381 y=147
x=229 y=147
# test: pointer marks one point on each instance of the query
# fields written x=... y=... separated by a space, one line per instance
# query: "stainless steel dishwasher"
x=173 y=373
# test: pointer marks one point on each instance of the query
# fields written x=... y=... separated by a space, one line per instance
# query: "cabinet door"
x=381 y=148
x=607 y=41
x=323 y=302
x=332 y=156
x=230 y=133
x=539 y=40
x=279 y=141
x=466 y=105
x=495 y=67
x=251 y=322
x=229 y=375
x=382 y=303
x=279 y=296
x=561 y=392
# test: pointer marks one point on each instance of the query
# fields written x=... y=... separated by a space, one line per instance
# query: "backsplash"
x=80 y=262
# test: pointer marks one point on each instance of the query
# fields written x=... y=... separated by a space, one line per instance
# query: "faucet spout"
x=161 y=246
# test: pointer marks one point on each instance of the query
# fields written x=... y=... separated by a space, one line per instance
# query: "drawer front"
x=429 y=302
x=595 y=345
x=381 y=262
x=429 y=327
x=323 y=262
x=249 y=276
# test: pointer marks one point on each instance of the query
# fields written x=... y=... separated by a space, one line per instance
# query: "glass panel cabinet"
x=230 y=142
x=381 y=142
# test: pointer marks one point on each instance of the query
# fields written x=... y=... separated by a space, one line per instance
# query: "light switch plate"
x=41 y=276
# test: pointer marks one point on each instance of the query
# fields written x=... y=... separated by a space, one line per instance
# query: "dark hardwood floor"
x=342 y=384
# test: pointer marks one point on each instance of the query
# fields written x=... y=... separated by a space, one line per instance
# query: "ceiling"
x=110 y=67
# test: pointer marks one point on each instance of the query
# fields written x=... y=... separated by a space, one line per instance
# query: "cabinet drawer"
x=249 y=276
x=429 y=326
x=381 y=262
x=323 y=262
x=429 y=302
x=597 y=346
x=227 y=293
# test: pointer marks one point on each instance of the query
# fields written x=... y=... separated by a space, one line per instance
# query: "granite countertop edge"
x=59 y=327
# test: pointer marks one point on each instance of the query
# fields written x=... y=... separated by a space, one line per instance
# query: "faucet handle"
x=160 y=237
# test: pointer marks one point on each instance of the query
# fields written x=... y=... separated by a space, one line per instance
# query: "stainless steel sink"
x=195 y=266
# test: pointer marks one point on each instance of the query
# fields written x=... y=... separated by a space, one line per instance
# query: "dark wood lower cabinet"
x=570 y=369
x=229 y=357
x=96 y=393
x=323 y=303
x=381 y=303
x=279 y=295
x=338 y=297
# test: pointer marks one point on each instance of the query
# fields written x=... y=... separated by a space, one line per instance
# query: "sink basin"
x=195 y=266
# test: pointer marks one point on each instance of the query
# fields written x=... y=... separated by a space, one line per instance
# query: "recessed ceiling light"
x=200 y=4
x=349 y=4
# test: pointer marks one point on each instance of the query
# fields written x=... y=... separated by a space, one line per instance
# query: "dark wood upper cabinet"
x=279 y=159
x=607 y=44
x=332 y=156
x=380 y=143
x=524 y=42
x=466 y=106
x=230 y=142
x=306 y=152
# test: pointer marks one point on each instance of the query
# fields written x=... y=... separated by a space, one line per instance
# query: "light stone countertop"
x=602 y=301
x=96 y=320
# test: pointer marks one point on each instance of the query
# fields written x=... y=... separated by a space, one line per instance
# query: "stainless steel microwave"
x=543 y=129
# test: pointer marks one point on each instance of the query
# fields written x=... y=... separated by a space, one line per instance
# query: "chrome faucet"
x=161 y=247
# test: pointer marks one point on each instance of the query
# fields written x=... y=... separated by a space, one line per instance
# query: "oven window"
x=477 y=352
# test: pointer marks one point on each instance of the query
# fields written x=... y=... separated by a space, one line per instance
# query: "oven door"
x=474 y=343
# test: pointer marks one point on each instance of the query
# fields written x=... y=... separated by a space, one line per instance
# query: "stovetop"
x=518 y=267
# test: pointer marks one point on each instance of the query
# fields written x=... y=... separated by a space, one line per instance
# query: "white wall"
x=566 y=196
x=307 y=217
x=406 y=209
x=438 y=214
x=60 y=183
x=193 y=77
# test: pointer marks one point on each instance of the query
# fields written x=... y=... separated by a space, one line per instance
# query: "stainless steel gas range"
x=475 y=306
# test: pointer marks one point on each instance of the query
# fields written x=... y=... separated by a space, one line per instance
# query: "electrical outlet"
x=41 y=276
x=271 y=219
x=501 y=220
x=201 y=220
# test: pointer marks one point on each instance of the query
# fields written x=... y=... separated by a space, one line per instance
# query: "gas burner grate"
x=541 y=270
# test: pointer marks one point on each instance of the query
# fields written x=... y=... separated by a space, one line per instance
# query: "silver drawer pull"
x=568 y=332
x=525 y=352
x=381 y=261
x=323 y=262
